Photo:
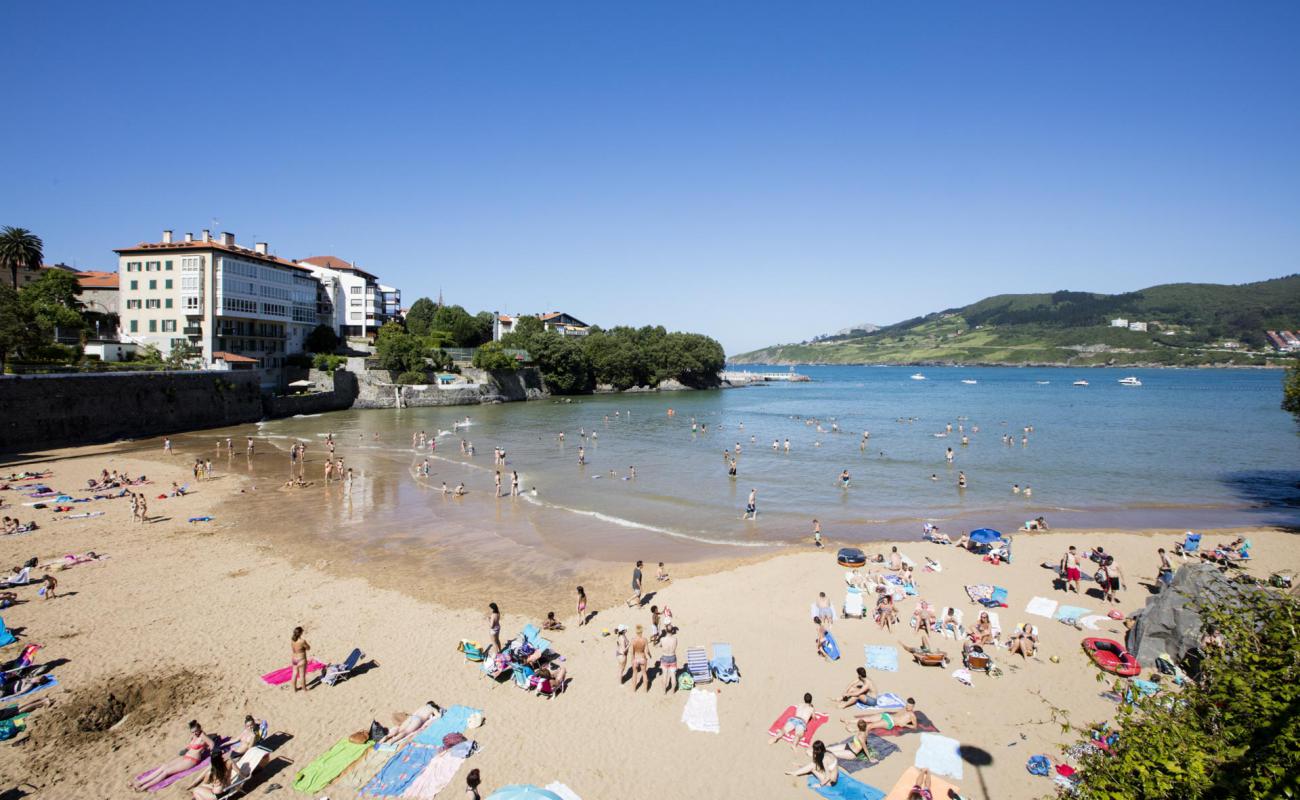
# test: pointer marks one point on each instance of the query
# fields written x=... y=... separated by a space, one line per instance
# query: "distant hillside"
x=1187 y=324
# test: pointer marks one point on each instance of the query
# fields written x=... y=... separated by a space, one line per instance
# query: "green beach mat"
x=322 y=772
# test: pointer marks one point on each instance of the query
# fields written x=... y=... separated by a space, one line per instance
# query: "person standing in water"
x=582 y=456
x=961 y=480
x=514 y=483
x=844 y=479
x=949 y=455
x=751 y=505
x=817 y=534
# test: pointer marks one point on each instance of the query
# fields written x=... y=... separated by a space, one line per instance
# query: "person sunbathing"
x=861 y=690
x=921 y=787
x=248 y=738
x=951 y=623
x=797 y=723
x=214 y=780
x=856 y=748
x=892 y=719
x=405 y=725
x=824 y=766
x=963 y=541
x=983 y=630
x=895 y=560
x=886 y=615
x=1024 y=642
x=193 y=753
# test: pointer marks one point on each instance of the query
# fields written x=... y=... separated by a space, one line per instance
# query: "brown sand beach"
x=181 y=619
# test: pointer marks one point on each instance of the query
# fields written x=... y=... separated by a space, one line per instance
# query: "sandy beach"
x=182 y=618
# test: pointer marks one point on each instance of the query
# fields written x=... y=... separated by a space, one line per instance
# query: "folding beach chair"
x=523 y=673
x=723 y=663
x=471 y=650
x=531 y=634
x=853 y=605
x=1191 y=543
x=697 y=661
x=341 y=672
x=248 y=764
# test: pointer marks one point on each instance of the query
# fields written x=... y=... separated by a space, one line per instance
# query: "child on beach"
x=582 y=607
x=662 y=575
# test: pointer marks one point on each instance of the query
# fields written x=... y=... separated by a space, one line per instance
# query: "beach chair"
x=953 y=634
x=471 y=650
x=995 y=624
x=1191 y=543
x=723 y=663
x=978 y=659
x=341 y=672
x=853 y=605
x=532 y=634
x=697 y=661
x=248 y=764
x=523 y=675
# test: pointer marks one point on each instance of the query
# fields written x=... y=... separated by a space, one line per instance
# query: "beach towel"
x=804 y=741
x=441 y=771
x=282 y=676
x=85 y=515
x=201 y=519
x=963 y=676
x=830 y=647
x=1042 y=607
x=880 y=750
x=564 y=792
x=400 y=771
x=940 y=755
x=453 y=720
x=885 y=702
x=6 y=637
x=222 y=744
x=846 y=788
x=1090 y=621
x=939 y=788
x=362 y=770
x=883 y=657
x=701 y=711
x=47 y=681
x=923 y=725
x=328 y=766
x=979 y=591
x=1070 y=612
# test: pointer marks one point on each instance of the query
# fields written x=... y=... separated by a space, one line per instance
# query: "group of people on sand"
x=641 y=647
x=13 y=525
x=223 y=758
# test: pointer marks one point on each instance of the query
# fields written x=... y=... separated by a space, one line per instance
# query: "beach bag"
x=685 y=681
x=377 y=731
x=452 y=739
x=8 y=729
x=1038 y=765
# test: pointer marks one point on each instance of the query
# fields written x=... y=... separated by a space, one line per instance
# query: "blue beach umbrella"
x=985 y=536
x=523 y=791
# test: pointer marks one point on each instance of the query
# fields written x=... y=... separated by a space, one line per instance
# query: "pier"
x=737 y=376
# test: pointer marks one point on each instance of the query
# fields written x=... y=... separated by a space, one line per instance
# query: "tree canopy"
x=492 y=356
x=322 y=339
x=1291 y=391
x=20 y=248
x=419 y=318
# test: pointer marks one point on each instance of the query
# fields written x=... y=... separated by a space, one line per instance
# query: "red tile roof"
x=92 y=279
x=336 y=263
x=242 y=252
x=233 y=358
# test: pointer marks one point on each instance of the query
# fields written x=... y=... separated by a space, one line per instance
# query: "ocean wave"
x=627 y=523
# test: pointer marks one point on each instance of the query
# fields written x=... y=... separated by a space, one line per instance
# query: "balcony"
x=193 y=331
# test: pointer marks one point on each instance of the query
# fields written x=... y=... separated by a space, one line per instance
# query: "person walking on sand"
x=167 y=446
x=1070 y=570
x=640 y=660
x=582 y=607
x=1164 y=572
x=621 y=646
x=497 y=478
x=494 y=625
x=635 y=599
x=298 y=649
x=143 y=508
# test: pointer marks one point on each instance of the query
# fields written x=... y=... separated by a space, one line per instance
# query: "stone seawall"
x=332 y=392
x=379 y=389
x=38 y=412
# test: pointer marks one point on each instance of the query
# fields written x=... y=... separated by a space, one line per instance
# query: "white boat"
x=1080 y=383
x=969 y=381
x=1130 y=381
x=1042 y=383
x=918 y=377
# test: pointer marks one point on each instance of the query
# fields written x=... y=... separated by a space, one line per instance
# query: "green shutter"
x=135 y=285
x=168 y=301
x=135 y=326
x=169 y=266
x=153 y=326
x=167 y=284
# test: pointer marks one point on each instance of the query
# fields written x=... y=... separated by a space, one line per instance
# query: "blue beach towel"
x=883 y=657
x=846 y=788
x=400 y=771
x=1071 y=612
x=831 y=647
x=48 y=681
x=453 y=720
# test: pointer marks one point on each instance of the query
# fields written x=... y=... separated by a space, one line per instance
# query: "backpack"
x=377 y=731
x=1038 y=765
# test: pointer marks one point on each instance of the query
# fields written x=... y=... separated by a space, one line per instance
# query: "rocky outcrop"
x=1171 y=621
x=379 y=388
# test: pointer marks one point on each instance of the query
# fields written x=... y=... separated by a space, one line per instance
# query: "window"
x=135 y=326
x=168 y=302
x=355 y=315
x=132 y=304
x=167 y=284
x=356 y=302
x=153 y=326
x=152 y=303
x=169 y=266
x=191 y=303
x=153 y=284
x=191 y=263
x=355 y=290
x=151 y=266
x=133 y=266
x=169 y=326
x=135 y=285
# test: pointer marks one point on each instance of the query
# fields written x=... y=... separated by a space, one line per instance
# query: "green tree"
x=563 y=363
x=149 y=354
x=419 y=318
x=492 y=356
x=1291 y=391
x=20 y=248
x=19 y=330
x=398 y=351
x=182 y=356
x=322 y=339
x=52 y=298
x=1233 y=734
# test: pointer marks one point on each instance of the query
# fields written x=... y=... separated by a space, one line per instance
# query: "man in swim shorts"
x=797 y=723
x=893 y=719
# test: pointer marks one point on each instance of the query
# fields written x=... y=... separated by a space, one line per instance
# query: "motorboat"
x=1130 y=381
x=1042 y=383
x=969 y=381
x=918 y=377
x=1080 y=383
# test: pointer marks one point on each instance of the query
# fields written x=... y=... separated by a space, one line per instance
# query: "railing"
x=92 y=366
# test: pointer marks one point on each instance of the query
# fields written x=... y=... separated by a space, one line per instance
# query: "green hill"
x=1188 y=324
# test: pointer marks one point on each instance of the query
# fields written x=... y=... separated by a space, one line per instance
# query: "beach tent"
x=985 y=536
x=523 y=791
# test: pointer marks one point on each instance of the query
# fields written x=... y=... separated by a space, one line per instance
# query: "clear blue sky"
x=758 y=172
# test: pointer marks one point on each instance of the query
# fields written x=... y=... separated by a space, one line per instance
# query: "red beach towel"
x=804 y=741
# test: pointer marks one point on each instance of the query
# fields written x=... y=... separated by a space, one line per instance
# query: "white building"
x=1137 y=326
x=1119 y=323
x=235 y=304
x=353 y=301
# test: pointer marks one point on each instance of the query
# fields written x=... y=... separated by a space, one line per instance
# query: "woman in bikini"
x=248 y=738
x=856 y=748
x=214 y=780
x=472 y=780
x=494 y=625
x=640 y=660
x=582 y=607
x=408 y=724
x=983 y=633
x=195 y=752
x=824 y=766
x=299 y=648
x=621 y=646
x=921 y=788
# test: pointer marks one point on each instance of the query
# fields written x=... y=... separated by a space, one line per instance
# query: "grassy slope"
x=1027 y=329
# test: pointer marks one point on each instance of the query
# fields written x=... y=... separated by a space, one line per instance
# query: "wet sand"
x=183 y=617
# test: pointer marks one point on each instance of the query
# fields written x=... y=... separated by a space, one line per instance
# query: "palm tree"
x=20 y=247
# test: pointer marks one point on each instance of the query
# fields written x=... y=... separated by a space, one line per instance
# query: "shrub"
x=491 y=357
x=412 y=378
x=327 y=362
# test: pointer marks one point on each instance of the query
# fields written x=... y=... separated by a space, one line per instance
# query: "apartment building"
x=239 y=306
x=353 y=302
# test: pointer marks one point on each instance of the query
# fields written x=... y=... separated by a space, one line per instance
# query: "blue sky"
x=758 y=172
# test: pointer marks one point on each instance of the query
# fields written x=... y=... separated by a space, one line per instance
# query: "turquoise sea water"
x=1189 y=448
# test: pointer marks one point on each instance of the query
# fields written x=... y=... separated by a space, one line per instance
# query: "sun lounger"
x=248 y=764
x=853 y=604
x=846 y=788
x=723 y=663
x=495 y=666
x=341 y=672
x=806 y=739
x=328 y=766
x=522 y=673
x=1190 y=544
x=697 y=661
